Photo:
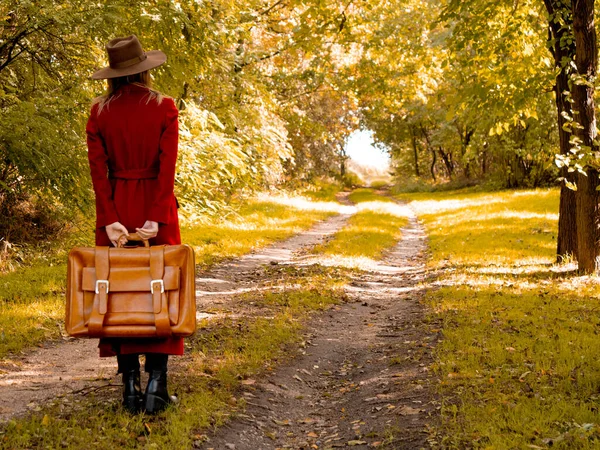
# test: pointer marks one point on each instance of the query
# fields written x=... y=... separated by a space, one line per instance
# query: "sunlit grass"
x=518 y=362
x=258 y=223
x=506 y=227
x=221 y=357
x=31 y=306
x=322 y=191
x=372 y=230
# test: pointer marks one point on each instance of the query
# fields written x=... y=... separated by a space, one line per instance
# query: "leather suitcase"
x=131 y=292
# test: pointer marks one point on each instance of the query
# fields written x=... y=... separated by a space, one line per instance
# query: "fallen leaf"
x=248 y=382
x=306 y=420
x=46 y=420
x=282 y=422
x=521 y=378
x=312 y=434
x=271 y=435
x=353 y=443
x=408 y=411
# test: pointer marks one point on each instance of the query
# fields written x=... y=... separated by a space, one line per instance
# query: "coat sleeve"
x=165 y=198
x=98 y=159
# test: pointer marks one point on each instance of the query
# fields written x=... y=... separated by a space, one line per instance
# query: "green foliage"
x=466 y=94
x=270 y=92
x=243 y=73
x=205 y=149
x=322 y=190
x=351 y=180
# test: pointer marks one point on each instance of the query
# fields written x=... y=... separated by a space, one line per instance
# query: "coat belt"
x=134 y=174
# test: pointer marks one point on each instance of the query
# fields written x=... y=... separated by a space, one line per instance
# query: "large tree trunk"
x=563 y=52
x=583 y=96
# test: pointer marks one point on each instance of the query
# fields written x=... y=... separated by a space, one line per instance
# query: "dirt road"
x=72 y=366
x=363 y=380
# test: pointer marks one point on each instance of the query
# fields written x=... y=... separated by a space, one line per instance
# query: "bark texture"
x=583 y=95
x=563 y=51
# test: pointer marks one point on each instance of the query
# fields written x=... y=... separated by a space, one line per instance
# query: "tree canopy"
x=269 y=91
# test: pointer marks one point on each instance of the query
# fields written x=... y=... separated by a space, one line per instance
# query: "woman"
x=132 y=136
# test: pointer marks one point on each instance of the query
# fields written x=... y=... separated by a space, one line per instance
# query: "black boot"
x=157 y=397
x=129 y=366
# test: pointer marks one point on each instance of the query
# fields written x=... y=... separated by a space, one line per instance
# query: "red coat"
x=132 y=151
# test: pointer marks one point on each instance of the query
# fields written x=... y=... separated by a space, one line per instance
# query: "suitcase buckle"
x=98 y=282
x=162 y=286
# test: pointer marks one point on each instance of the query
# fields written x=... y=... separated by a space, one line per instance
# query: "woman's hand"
x=117 y=233
x=149 y=230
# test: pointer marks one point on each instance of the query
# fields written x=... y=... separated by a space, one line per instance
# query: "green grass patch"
x=31 y=306
x=364 y=195
x=257 y=224
x=32 y=298
x=372 y=230
x=518 y=362
x=322 y=191
x=219 y=358
x=379 y=183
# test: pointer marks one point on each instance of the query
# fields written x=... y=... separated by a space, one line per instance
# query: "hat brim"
x=154 y=59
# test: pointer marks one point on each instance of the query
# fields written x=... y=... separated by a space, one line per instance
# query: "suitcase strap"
x=100 y=305
x=157 y=289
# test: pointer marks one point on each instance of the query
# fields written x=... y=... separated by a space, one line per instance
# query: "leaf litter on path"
x=361 y=387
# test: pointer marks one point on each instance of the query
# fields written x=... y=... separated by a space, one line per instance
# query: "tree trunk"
x=447 y=158
x=430 y=147
x=583 y=103
x=563 y=52
x=415 y=150
x=465 y=140
x=484 y=155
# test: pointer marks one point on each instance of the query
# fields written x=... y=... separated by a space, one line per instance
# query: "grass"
x=322 y=191
x=518 y=361
x=257 y=224
x=372 y=230
x=32 y=298
x=222 y=356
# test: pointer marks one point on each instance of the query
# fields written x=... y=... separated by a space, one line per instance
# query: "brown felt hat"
x=127 y=57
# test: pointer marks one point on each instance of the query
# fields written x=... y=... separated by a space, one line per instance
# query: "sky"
x=360 y=148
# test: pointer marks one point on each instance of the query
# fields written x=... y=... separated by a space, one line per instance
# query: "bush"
x=351 y=180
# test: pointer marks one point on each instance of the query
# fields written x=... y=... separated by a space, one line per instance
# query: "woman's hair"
x=114 y=84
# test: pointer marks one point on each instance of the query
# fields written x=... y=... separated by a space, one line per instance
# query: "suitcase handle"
x=134 y=237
